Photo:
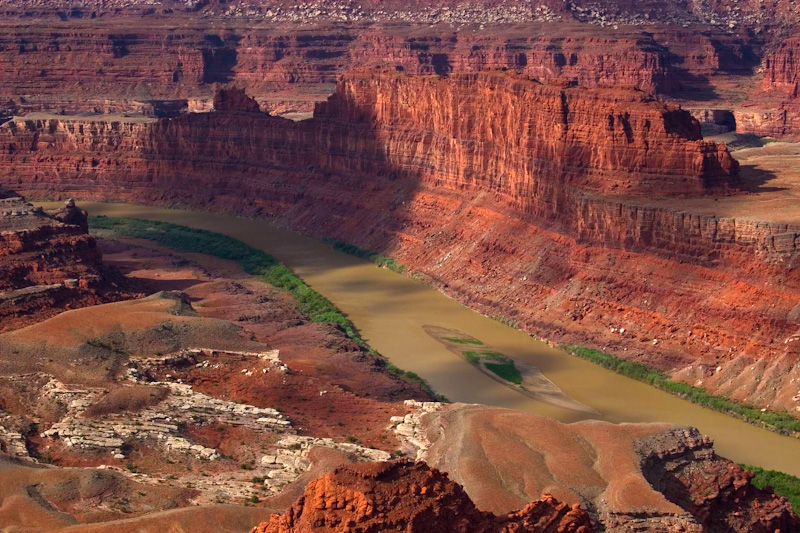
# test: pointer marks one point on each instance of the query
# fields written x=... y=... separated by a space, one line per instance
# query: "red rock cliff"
x=505 y=177
x=774 y=107
x=120 y=65
x=514 y=136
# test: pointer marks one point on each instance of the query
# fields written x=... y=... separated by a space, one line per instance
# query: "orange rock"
x=439 y=506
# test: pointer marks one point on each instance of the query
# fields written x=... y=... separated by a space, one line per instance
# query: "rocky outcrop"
x=234 y=100
x=40 y=248
x=630 y=477
x=532 y=137
x=717 y=492
x=534 y=140
x=773 y=109
x=782 y=68
x=626 y=59
x=407 y=496
x=47 y=260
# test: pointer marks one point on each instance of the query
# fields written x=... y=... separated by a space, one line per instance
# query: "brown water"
x=391 y=310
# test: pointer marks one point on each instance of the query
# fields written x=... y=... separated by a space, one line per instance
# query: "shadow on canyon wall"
x=219 y=58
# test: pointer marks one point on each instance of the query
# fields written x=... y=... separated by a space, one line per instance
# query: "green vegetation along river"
x=393 y=312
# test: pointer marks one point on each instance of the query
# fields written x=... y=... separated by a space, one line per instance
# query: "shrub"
x=463 y=340
x=782 y=484
x=508 y=371
x=254 y=261
x=780 y=422
x=380 y=260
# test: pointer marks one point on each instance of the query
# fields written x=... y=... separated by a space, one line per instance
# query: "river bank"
x=390 y=311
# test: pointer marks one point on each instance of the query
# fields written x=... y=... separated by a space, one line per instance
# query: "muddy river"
x=393 y=313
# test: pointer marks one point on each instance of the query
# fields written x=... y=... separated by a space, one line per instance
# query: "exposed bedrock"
x=630 y=477
x=758 y=14
x=117 y=65
x=773 y=109
x=126 y=56
x=48 y=261
x=716 y=492
x=782 y=68
x=406 y=496
x=519 y=199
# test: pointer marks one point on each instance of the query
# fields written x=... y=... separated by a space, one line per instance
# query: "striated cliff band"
x=406 y=496
x=49 y=262
x=521 y=199
x=99 y=56
x=166 y=58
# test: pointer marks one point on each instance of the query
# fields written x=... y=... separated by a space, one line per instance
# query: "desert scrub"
x=380 y=260
x=508 y=371
x=782 y=484
x=408 y=376
x=497 y=363
x=510 y=322
x=255 y=262
x=776 y=421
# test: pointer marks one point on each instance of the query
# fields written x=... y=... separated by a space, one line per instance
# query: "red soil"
x=335 y=389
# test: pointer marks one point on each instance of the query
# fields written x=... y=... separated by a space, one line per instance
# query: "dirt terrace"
x=770 y=178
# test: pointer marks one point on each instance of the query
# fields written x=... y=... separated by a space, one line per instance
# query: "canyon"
x=525 y=181
x=155 y=404
x=592 y=174
x=109 y=64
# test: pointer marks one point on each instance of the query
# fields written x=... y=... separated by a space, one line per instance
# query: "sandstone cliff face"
x=782 y=68
x=123 y=67
x=506 y=178
x=405 y=496
x=508 y=134
x=773 y=109
x=47 y=261
x=589 y=60
x=116 y=65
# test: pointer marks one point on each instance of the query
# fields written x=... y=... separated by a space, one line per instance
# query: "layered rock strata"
x=406 y=496
x=773 y=109
x=116 y=66
x=529 y=192
x=47 y=260
x=715 y=491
